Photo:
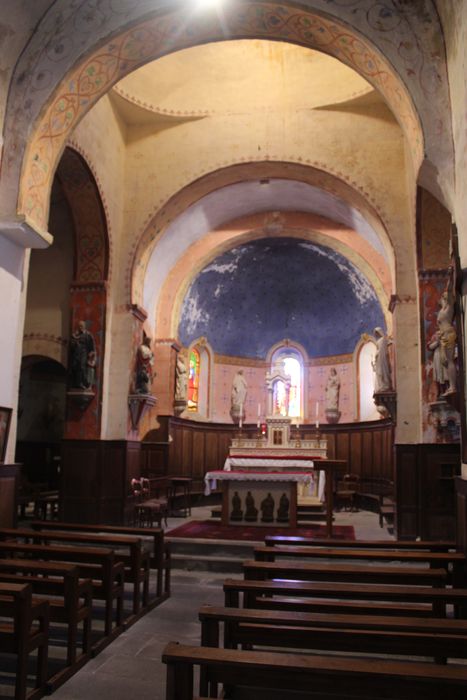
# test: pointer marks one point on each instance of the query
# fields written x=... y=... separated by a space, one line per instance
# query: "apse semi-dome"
x=259 y=293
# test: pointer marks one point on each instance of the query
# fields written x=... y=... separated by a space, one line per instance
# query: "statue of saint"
x=447 y=337
x=438 y=370
x=144 y=365
x=82 y=358
x=283 y=510
x=236 y=513
x=267 y=509
x=381 y=364
x=239 y=389
x=331 y=391
x=181 y=379
x=251 y=512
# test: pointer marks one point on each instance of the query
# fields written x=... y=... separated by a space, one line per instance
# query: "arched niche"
x=364 y=357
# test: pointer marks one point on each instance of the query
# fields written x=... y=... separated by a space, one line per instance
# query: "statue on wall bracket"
x=141 y=399
x=331 y=392
x=384 y=396
x=181 y=385
x=82 y=368
x=238 y=398
x=442 y=344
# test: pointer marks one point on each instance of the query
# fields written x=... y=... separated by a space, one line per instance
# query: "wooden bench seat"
x=128 y=550
x=400 y=636
x=450 y=561
x=351 y=573
x=160 y=557
x=349 y=597
x=315 y=676
x=428 y=545
x=69 y=598
x=24 y=629
x=96 y=563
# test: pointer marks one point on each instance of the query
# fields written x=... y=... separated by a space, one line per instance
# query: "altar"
x=267 y=476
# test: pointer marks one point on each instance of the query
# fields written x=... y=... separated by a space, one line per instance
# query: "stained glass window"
x=280 y=398
x=193 y=380
x=294 y=370
x=293 y=367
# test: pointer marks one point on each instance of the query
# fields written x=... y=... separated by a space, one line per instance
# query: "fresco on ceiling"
x=257 y=294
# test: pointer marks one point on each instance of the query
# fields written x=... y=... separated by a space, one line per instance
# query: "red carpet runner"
x=208 y=530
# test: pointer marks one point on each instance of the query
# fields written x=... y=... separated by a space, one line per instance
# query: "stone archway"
x=81 y=83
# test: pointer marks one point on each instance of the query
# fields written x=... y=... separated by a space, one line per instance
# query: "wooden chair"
x=346 y=491
x=154 y=504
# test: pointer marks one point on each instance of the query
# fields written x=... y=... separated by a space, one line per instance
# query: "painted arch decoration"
x=87 y=81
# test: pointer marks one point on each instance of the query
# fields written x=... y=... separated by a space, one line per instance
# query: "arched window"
x=365 y=356
x=199 y=379
x=193 y=380
x=293 y=366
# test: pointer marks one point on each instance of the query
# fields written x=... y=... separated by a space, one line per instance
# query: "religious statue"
x=181 y=379
x=238 y=394
x=251 y=512
x=438 y=370
x=236 y=513
x=447 y=337
x=82 y=358
x=381 y=364
x=331 y=391
x=144 y=365
x=283 y=510
x=267 y=509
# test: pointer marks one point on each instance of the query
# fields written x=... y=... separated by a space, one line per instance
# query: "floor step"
x=193 y=562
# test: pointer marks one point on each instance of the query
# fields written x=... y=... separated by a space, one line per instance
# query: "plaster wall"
x=454 y=20
x=16 y=25
x=316 y=376
x=100 y=138
x=13 y=284
x=362 y=149
x=48 y=298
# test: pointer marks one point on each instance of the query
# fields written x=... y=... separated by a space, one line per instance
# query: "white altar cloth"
x=232 y=463
x=211 y=478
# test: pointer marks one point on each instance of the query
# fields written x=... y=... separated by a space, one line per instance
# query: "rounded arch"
x=201 y=410
x=180 y=277
x=345 y=194
x=363 y=357
x=122 y=49
x=45 y=346
x=90 y=222
x=298 y=397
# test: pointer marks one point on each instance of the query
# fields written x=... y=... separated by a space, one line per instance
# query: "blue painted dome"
x=257 y=294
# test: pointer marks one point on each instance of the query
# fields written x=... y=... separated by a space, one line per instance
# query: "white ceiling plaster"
x=243 y=199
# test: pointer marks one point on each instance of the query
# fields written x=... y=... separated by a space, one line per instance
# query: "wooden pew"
x=353 y=598
x=96 y=563
x=423 y=545
x=454 y=561
x=136 y=561
x=316 y=675
x=24 y=629
x=69 y=598
x=351 y=573
x=160 y=559
x=374 y=634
